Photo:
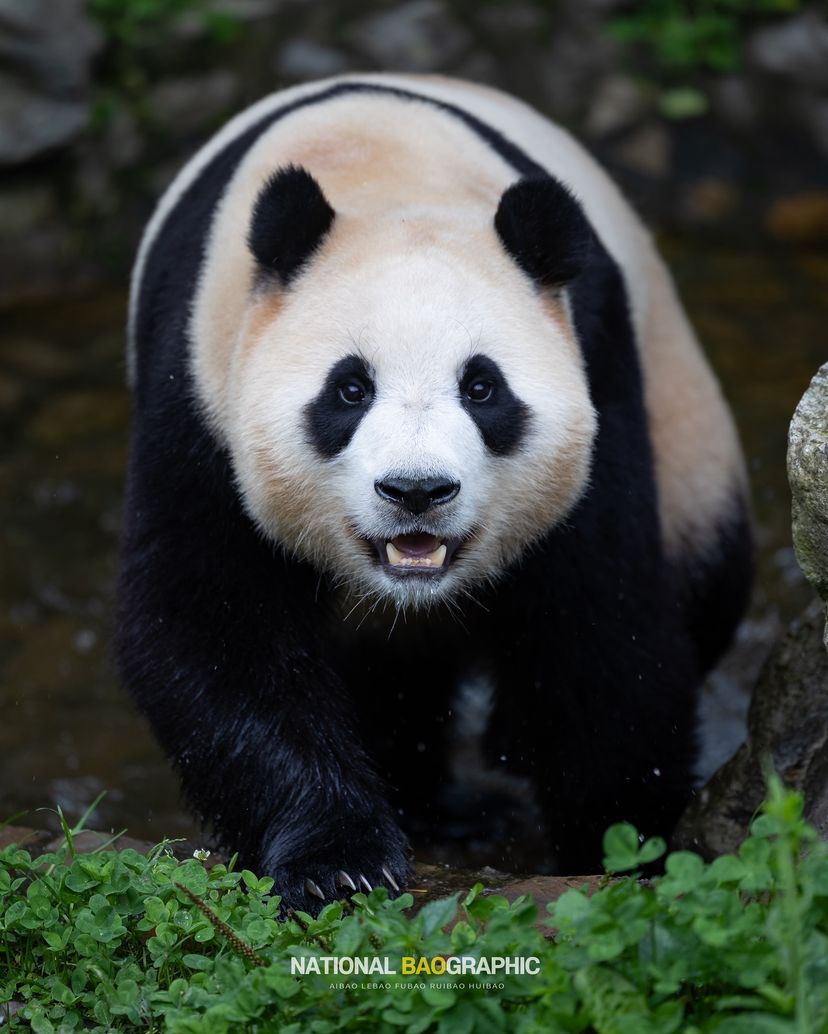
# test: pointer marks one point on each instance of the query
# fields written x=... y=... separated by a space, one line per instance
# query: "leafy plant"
x=695 y=34
x=682 y=38
x=133 y=23
x=120 y=941
x=133 y=29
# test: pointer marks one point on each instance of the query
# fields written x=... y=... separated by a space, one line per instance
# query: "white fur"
x=414 y=278
x=416 y=320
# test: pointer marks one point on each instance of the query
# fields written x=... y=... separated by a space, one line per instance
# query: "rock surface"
x=788 y=717
x=787 y=727
x=419 y=36
x=47 y=49
x=808 y=475
x=798 y=47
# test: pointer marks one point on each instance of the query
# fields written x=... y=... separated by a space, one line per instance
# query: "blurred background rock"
x=713 y=118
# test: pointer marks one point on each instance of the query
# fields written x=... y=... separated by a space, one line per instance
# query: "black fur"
x=290 y=220
x=716 y=583
x=502 y=419
x=544 y=229
x=224 y=641
x=606 y=716
x=330 y=420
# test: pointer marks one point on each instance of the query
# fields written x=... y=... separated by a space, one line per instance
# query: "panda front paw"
x=309 y=887
x=309 y=879
x=344 y=882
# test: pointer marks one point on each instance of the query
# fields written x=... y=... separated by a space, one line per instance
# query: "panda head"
x=407 y=407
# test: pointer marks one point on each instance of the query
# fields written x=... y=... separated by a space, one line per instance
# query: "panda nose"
x=417 y=496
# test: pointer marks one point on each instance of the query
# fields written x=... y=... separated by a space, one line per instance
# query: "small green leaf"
x=621 y=848
x=200 y=962
x=349 y=936
x=437 y=914
x=685 y=871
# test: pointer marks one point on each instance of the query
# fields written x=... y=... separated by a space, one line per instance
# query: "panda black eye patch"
x=334 y=415
x=501 y=418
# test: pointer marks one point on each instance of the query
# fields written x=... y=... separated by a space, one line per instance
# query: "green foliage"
x=134 y=30
x=119 y=941
x=134 y=23
x=683 y=38
x=689 y=34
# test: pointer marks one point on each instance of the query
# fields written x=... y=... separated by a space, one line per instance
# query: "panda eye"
x=480 y=390
x=352 y=392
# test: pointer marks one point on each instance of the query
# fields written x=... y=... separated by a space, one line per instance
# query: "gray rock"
x=123 y=140
x=302 y=60
x=788 y=717
x=53 y=41
x=787 y=727
x=93 y=180
x=192 y=26
x=249 y=10
x=808 y=476
x=726 y=694
x=419 y=36
x=617 y=104
x=47 y=48
x=647 y=149
x=479 y=67
x=578 y=56
x=32 y=122
x=514 y=19
x=735 y=101
x=796 y=48
x=188 y=104
x=722 y=723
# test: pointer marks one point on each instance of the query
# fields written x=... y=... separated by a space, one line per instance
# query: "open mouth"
x=419 y=553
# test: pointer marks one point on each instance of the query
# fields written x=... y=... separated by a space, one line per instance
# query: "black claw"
x=342 y=879
x=314 y=888
x=365 y=883
x=390 y=878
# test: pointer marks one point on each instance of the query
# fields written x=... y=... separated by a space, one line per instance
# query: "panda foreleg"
x=406 y=714
x=597 y=704
x=217 y=643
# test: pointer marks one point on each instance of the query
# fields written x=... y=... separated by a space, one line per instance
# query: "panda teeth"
x=397 y=559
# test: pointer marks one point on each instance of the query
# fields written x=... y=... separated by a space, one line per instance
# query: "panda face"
x=409 y=422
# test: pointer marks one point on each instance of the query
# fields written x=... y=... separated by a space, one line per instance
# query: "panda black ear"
x=290 y=220
x=544 y=229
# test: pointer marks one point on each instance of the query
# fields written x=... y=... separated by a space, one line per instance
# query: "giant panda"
x=415 y=403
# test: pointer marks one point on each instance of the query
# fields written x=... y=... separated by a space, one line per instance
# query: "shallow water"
x=67 y=731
